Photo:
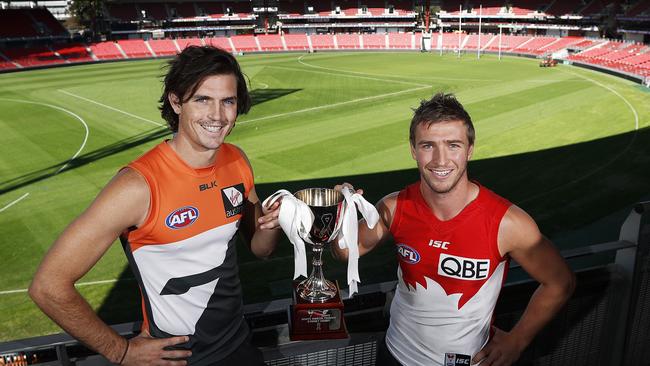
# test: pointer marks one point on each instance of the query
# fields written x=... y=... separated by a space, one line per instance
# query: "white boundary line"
x=109 y=107
x=83 y=144
x=80 y=284
x=333 y=105
x=336 y=72
x=611 y=161
x=300 y=60
x=14 y=202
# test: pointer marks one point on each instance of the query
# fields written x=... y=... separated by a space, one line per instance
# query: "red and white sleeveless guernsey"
x=183 y=255
x=449 y=277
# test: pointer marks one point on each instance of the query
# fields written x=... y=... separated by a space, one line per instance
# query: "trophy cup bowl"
x=326 y=206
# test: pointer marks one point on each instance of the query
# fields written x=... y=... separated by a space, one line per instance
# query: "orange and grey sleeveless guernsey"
x=183 y=255
x=449 y=277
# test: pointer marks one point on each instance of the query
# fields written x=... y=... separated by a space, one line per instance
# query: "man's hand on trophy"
x=270 y=212
x=339 y=187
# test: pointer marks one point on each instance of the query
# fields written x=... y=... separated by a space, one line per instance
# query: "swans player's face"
x=442 y=151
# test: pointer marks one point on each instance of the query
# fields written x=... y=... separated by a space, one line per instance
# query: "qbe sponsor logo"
x=463 y=268
x=408 y=254
x=233 y=199
x=182 y=217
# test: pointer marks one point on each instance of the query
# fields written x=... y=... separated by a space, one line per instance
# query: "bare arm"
x=122 y=204
x=520 y=238
x=261 y=233
x=370 y=238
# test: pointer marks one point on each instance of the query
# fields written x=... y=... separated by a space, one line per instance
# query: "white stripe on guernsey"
x=157 y=264
x=80 y=284
x=66 y=111
x=109 y=107
x=333 y=105
x=14 y=202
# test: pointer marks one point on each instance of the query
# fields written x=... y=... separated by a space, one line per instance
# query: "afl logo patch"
x=407 y=254
x=182 y=217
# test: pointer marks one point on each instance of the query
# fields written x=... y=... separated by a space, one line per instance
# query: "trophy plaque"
x=317 y=309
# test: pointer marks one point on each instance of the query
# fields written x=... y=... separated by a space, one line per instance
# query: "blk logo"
x=182 y=217
x=463 y=268
x=408 y=254
x=206 y=186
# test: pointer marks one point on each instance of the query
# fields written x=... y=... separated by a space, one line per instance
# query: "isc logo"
x=408 y=254
x=463 y=268
x=182 y=217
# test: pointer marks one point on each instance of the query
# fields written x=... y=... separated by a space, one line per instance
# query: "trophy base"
x=312 y=321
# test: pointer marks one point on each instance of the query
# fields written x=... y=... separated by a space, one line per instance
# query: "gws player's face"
x=209 y=115
x=442 y=151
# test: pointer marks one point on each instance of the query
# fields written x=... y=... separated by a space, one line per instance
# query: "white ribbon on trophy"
x=296 y=219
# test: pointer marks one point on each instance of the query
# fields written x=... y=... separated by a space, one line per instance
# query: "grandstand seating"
x=163 y=47
x=561 y=43
x=296 y=41
x=322 y=41
x=322 y=8
x=452 y=40
x=535 y=45
x=184 y=42
x=402 y=7
x=220 y=42
x=6 y=65
x=134 y=48
x=244 y=43
x=348 y=41
x=593 y=7
x=508 y=42
x=270 y=42
x=75 y=52
x=400 y=40
x=45 y=22
x=34 y=56
x=374 y=41
x=106 y=51
x=472 y=41
x=628 y=57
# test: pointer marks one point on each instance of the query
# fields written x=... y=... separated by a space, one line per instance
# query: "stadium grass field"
x=568 y=145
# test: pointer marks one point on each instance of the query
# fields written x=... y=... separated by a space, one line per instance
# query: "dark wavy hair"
x=441 y=108
x=189 y=68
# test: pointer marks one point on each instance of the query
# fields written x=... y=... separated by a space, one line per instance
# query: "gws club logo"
x=182 y=217
x=233 y=199
x=408 y=254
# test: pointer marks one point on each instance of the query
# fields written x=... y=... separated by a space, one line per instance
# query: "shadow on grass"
x=259 y=96
x=563 y=188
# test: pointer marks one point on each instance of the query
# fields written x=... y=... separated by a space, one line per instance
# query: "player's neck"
x=194 y=156
x=446 y=206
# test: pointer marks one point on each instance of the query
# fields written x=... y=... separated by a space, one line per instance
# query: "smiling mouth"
x=212 y=128
x=441 y=173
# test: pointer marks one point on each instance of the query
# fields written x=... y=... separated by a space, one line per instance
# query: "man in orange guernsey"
x=176 y=210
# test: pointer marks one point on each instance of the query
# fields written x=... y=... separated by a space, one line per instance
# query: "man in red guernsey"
x=454 y=241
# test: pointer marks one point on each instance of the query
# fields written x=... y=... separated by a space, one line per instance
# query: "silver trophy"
x=326 y=206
